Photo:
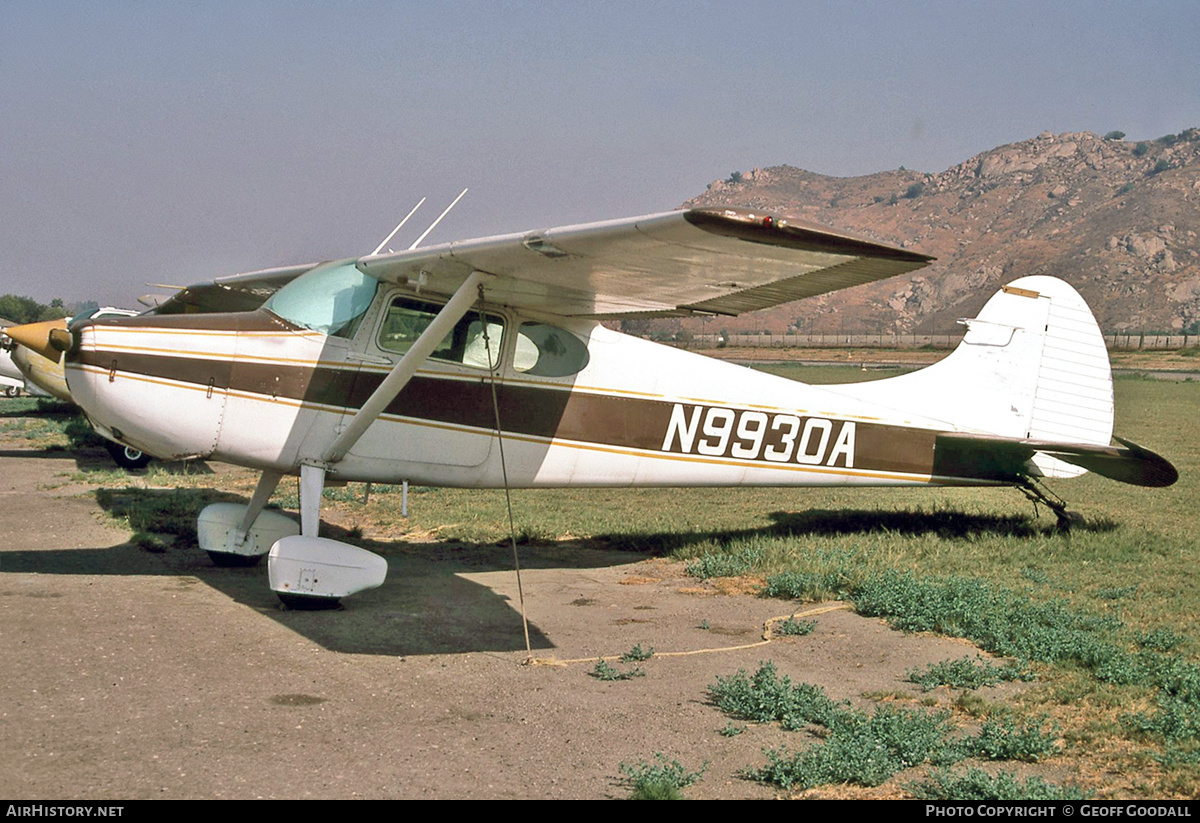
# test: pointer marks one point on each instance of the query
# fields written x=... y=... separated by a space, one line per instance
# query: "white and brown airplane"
x=40 y=366
x=483 y=363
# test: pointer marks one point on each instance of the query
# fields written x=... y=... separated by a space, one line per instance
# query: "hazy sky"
x=171 y=142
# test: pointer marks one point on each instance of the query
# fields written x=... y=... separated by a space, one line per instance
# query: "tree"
x=55 y=311
x=1115 y=135
x=27 y=310
x=19 y=309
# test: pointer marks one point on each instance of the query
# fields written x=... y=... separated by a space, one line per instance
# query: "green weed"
x=1036 y=575
x=637 y=654
x=661 y=780
x=171 y=512
x=766 y=697
x=603 y=671
x=795 y=628
x=1003 y=738
x=1116 y=592
x=976 y=784
x=730 y=564
x=965 y=673
x=1159 y=639
x=864 y=750
x=1175 y=720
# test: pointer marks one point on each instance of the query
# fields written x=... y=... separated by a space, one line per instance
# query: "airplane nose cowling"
x=36 y=337
x=135 y=391
x=38 y=356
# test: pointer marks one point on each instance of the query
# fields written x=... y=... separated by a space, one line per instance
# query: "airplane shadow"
x=97 y=459
x=945 y=523
x=439 y=598
x=83 y=445
x=51 y=454
x=42 y=407
x=444 y=597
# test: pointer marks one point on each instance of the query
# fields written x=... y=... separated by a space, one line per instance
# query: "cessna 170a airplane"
x=483 y=363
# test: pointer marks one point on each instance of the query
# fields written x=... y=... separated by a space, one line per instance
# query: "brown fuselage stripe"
x=626 y=422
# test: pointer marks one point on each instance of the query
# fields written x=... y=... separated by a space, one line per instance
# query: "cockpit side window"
x=548 y=351
x=331 y=299
x=473 y=341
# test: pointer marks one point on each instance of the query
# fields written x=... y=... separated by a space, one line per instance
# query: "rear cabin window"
x=474 y=341
x=548 y=351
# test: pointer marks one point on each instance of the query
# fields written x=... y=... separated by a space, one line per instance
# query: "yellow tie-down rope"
x=767 y=635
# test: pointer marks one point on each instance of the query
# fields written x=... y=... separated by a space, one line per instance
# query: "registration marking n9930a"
x=716 y=431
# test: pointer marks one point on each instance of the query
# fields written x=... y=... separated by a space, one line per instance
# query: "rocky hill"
x=1117 y=219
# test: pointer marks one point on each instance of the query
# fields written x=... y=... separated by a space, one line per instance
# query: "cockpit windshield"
x=331 y=298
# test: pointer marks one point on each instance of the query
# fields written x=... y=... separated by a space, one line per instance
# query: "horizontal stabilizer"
x=1007 y=459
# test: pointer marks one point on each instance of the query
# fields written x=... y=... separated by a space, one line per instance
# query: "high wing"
x=721 y=261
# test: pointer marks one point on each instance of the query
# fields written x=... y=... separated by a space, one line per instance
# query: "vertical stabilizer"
x=1032 y=365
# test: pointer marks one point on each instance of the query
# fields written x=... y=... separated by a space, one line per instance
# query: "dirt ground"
x=130 y=674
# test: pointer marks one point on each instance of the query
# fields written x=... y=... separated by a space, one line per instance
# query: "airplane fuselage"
x=255 y=390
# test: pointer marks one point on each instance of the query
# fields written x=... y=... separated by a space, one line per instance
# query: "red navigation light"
x=768 y=222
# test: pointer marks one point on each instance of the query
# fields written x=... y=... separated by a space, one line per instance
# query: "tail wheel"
x=127 y=457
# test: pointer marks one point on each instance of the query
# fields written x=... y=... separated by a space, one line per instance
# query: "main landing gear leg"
x=1041 y=494
x=312 y=484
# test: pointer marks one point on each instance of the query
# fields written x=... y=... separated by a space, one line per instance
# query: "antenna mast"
x=435 y=222
x=400 y=225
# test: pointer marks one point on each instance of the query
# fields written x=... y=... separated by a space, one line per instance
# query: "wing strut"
x=403 y=371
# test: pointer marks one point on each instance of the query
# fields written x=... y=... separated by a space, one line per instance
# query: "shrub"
x=977 y=784
x=661 y=780
x=724 y=564
x=766 y=697
x=1002 y=739
x=965 y=673
x=1159 y=639
x=795 y=628
x=637 y=654
x=603 y=671
x=864 y=750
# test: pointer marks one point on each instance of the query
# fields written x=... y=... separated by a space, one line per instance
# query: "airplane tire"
x=127 y=457
x=229 y=560
x=308 y=602
x=11 y=391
